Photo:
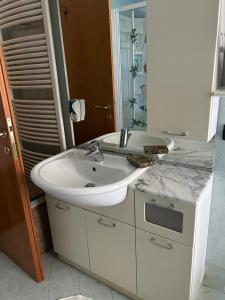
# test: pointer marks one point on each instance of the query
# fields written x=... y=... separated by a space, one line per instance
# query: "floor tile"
x=97 y=291
x=209 y=294
x=86 y=279
x=117 y=296
x=40 y=296
x=62 y=281
x=9 y=288
x=63 y=276
x=47 y=260
x=60 y=292
x=10 y=278
x=29 y=287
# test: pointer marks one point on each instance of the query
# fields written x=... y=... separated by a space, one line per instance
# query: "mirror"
x=113 y=54
x=106 y=61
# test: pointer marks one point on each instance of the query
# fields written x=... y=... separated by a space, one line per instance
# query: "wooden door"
x=17 y=235
x=86 y=27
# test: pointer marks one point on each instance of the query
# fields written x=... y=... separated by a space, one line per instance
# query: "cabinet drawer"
x=68 y=230
x=123 y=212
x=166 y=217
x=163 y=268
x=112 y=250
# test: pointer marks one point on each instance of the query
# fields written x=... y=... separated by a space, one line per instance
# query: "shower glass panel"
x=133 y=66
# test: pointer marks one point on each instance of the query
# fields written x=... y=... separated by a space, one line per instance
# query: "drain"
x=90 y=184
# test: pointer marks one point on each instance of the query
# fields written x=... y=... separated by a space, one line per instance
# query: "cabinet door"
x=163 y=268
x=68 y=231
x=112 y=250
x=181 y=65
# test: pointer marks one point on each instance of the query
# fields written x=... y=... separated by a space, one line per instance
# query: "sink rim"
x=79 y=191
x=169 y=142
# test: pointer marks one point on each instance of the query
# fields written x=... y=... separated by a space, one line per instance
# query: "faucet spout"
x=124 y=137
x=95 y=151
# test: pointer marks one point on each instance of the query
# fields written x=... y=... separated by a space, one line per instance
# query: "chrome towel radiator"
x=30 y=61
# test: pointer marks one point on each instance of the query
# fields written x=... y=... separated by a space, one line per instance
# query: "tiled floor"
x=61 y=281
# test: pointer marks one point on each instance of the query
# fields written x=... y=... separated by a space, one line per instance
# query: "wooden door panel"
x=86 y=30
x=17 y=235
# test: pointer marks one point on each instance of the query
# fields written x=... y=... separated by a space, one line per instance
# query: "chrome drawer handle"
x=62 y=207
x=182 y=133
x=112 y=225
x=154 y=242
x=170 y=206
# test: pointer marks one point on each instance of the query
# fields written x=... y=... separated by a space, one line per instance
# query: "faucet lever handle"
x=94 y=146
x=95 y=151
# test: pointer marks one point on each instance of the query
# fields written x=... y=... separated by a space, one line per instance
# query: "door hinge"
x=12 y=138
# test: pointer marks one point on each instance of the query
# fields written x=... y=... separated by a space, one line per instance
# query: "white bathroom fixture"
x=136 y=142
x=76 y=179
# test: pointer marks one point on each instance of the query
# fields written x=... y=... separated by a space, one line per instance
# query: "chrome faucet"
x=95 y=151
x=124 y=137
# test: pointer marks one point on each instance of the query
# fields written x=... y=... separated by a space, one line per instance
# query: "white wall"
x=215 y=262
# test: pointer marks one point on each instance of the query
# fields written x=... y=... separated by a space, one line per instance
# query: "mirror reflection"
x=106 y=64
x=129 y=41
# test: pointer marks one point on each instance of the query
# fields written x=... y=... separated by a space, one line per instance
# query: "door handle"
x=103 y=107
x=3 y=133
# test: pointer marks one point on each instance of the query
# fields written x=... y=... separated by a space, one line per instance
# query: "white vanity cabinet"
x=112 y=250
x=163 y=268
x=150 y=247
x=68 y=230
x=182 y=67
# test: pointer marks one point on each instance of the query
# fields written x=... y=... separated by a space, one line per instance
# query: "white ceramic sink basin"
x=71 y=177
x=135 y=144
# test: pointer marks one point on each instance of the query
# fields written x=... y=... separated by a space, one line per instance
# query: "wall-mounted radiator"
x=29 y=56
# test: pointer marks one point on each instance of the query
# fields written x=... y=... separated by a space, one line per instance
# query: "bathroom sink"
x=72 y=177
x=136 y=142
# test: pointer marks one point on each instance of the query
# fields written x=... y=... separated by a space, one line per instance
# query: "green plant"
x=138 y=123
x=143 y=108
x=143 y=124
x=133 y=71
x=133 y=35
x=133 y=101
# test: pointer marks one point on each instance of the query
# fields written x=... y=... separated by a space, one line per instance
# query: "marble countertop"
x=181 y=183
x=191 y=158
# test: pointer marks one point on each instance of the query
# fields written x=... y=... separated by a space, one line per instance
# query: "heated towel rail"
x=31 y=68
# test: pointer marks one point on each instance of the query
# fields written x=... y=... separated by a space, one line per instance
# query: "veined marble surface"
x=172 y=181
x=193 y=158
